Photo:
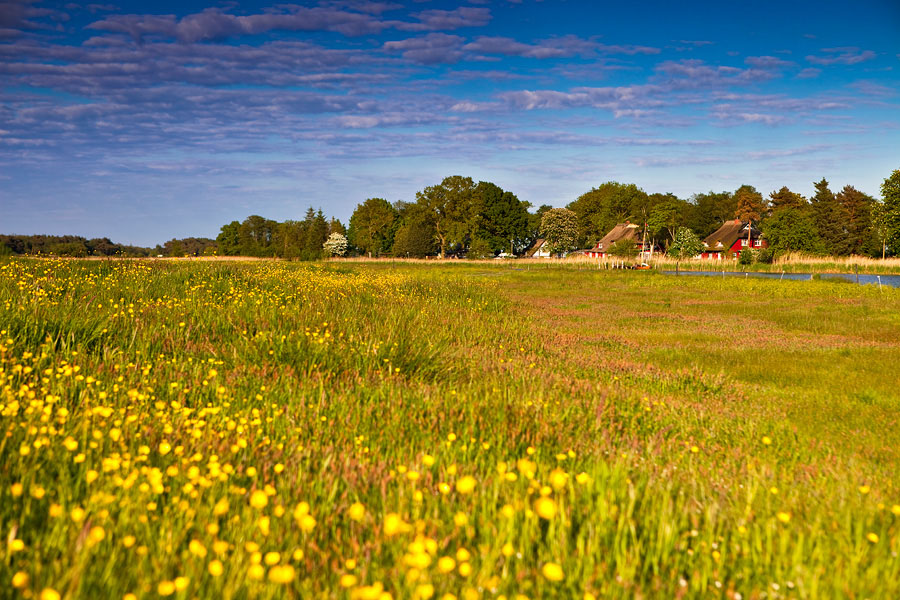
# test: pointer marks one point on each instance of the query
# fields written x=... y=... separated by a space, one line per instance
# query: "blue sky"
x=146 y=121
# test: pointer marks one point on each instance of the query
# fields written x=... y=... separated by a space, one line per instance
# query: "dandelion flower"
x=545 y=507
x=356 y=512
x=165 y=588
x=552 y=572
x=394 y=524
x=446 y=564
x=215 y=568
x=20 y=579
x=282 y=574
x=466 y=485
x=259 y=499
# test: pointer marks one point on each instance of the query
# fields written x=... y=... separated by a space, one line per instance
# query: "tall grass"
x=262 y=430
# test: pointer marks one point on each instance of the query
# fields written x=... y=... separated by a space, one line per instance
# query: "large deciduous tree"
x=415 y=236
x=371 y=226
x=793 y=230
x=602 y=208
x=255 y=236
x=709 y=211
x=230 y=239
x=890 y=217
x=504 y=222
x=454 y=208
x=667 y=215
x=559 y=227
x=685 y=244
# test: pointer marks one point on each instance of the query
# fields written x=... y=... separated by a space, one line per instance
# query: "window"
x=743 y=242
x=757 y=243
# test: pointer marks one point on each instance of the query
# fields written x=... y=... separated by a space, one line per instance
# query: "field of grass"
x=377 y=430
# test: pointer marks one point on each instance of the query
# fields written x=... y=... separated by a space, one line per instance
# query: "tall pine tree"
x=857 y=208
x=830 y=220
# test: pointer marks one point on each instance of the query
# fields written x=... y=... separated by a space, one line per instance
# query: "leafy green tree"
x=371 y=226
x=668 y=214
x=174 y=248
x=229 y=239
x=504 y=219
x=415 y=235
x=480 y=248
x=890 y=194
x=560 y=230
x=793 y=230
x=880 y=227
x=624 y=249
x=288 y=239
x=709 y=211
x=255 y=236
x=603 y=207
x=102 y=247
x=454 y=208
x=685 y=245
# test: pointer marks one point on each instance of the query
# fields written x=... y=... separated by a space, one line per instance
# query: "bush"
x=624 y=249
x=766 y=256
x=746 y=257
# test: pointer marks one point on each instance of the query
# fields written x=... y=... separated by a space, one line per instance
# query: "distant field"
x=206 y=429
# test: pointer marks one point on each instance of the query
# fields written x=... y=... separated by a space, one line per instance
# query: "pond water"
x=888 y=280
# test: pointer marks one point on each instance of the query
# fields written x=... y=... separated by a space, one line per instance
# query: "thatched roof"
x=534 y=248
x=725 y=236
x=622 y=231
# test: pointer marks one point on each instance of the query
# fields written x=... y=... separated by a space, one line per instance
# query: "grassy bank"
x=791 y=263
x=263 y=430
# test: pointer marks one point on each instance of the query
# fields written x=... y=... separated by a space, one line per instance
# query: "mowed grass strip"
x=268 y=430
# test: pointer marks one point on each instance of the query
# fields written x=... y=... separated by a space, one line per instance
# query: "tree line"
x=78 y=246
x=459 y=217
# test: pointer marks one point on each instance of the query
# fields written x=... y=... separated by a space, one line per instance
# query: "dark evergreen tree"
x=830 y=220
x=856 y=208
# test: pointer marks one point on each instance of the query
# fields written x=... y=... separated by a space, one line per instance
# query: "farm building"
x=538 y=249
x=729 y=239
x=622 y=233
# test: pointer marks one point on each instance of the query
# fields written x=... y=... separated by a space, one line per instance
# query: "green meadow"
x=451 y=431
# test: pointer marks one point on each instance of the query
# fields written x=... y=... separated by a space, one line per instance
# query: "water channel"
x=887 y=280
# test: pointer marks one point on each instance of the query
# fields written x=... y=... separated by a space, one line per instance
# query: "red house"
x=729 y=239
x=622 y=233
